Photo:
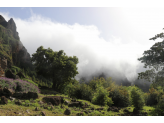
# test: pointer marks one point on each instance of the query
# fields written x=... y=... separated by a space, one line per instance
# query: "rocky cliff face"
x=11 y=47
x=9 y=25
x=3 y=66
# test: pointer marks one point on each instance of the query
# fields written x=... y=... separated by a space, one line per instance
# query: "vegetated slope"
x=11 y=47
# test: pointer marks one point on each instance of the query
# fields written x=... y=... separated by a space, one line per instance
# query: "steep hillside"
x=11 y=48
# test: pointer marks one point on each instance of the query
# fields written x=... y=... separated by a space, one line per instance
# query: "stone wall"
x=3 y=66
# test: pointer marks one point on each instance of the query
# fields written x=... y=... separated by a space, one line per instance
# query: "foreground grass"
x=28 y=108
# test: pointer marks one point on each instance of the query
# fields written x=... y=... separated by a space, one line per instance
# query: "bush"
x=100 y=97
x=79 y=91
x=101 y=82
x=120 y=95
x=160 y=107
x=30 y=82
x=18 y=85
x=154 y=95
x=137 y=98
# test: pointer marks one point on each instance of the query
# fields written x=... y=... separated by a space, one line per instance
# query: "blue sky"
x=104 y=39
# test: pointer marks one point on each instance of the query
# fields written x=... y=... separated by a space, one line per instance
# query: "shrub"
x=18 y=85
x=101 y=82
x=120 y=95
x=154 y=95
x=137 y=98
x=31 y=82
x=100 y=97
x=79 y=91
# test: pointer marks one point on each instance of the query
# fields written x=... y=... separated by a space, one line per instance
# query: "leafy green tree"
x=154 y=59
x=100 y=97
x=137 y=98
x=55 y=65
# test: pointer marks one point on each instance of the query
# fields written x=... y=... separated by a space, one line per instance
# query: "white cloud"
x=22 y=7
x=95 y=53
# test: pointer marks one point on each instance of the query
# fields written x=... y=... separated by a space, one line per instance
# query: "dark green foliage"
x=137 y=98
x=55 y=65
x=154 y=95
x=101 y=82
x=160 y=107
x=154 y=59
x=6 y=39
x=79 y=91
x=120 y=96
x=100 y=97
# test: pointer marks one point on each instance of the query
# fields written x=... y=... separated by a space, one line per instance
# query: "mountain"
x=12 y=51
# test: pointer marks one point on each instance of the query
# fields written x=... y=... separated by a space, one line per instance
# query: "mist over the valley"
x=115 y=57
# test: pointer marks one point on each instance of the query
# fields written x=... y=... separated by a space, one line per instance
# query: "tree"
x=55 y=65
x=154 y=59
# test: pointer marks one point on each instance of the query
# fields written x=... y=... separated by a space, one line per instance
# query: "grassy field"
x=28 y=108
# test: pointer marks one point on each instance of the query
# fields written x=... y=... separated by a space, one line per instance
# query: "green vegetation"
x=137 y=98
x=56 y=70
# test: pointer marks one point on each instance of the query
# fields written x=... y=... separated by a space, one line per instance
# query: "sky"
x=105 y=39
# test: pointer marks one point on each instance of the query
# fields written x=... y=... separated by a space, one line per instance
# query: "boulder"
x=73 y=100
x=86 y=111
x=115 y=109
x=18 y=95
x=76 y=104
x=9 y=74
x=25 y=95
x=11 y=98
x=99 y=109
x=66 y=102
x=21 y=75
x=33 y=95
x=83 y=107
x=67 y=112
x=80 y=114
x=18 y=102
x=8 y=92
x=40 y=102
x=52 y=107
x=55 y=100
x=16 y=77
x=36 y=109
x=43 y=113
x=92 y=109
x=4 y=100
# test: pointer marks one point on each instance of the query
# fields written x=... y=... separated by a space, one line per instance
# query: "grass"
x=58 y=110
x=11 y=109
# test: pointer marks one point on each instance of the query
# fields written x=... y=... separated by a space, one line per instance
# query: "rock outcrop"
x=9 y=25
x=9 y=93
x=3 y=66
x=16 y=54
x=55 y=100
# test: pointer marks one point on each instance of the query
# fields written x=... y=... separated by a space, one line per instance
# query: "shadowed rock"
x=67 y=112
x=21 y=75
x=8 y=92
x=76 y=104
x=33 y=95
x=4 y=100
x=55 y=100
